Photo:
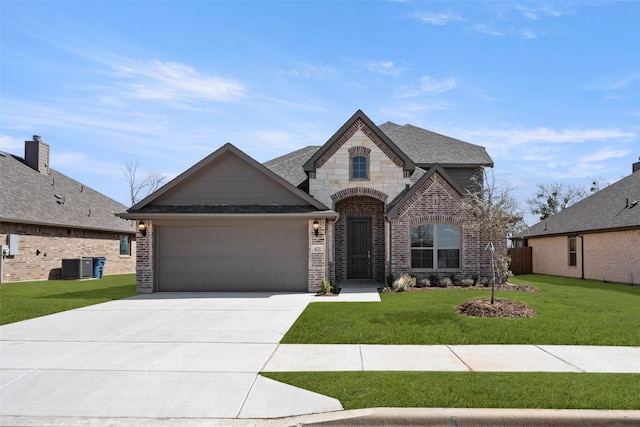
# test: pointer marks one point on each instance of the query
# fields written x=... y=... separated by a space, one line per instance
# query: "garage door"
x=248 y=255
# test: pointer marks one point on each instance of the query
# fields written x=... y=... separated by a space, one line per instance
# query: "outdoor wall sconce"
x=315 y=227
x=142 y=227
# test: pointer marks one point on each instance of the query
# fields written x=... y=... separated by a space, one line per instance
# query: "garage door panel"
x=232 y=256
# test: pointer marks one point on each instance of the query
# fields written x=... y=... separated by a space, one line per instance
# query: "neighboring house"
x=597 y=238
x=370 y=201
x=46 y=217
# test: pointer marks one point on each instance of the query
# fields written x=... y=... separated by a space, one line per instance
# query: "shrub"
x=475 y=278
x=405 y=281
x=385 y=290
x=433 y=278
x=390 y=279
x=424 y=283
x=467 y=282
x=484 y=281
x=325 y=287
x=446 y=281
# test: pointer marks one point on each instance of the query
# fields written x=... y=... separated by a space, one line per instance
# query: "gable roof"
x=167 y=200
x=393 y=209
x=427 y=148
x=606 y=210
x=289 y=166
x=30 y=197
x=357 y=121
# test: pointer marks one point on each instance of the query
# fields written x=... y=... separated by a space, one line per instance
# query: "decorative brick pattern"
x=42 y=249
x=360 y=207
x=438 y=202
x=359 y=191
x=144 y=261
x=359 y=125
x=317 y=255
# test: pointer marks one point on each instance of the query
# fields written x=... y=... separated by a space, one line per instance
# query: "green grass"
x=570 y=311
x=471 y=389
x=26 y=300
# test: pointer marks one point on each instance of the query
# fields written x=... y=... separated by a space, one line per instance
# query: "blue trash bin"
x=98 y=266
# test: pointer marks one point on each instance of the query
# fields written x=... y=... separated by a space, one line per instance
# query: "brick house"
x=371 y=200
x=596 y=238
x=46 y=217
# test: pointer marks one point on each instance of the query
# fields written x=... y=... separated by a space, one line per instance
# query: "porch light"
x=142 y=227
x=315 y=227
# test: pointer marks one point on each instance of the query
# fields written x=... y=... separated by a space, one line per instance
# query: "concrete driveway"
x=160 y=355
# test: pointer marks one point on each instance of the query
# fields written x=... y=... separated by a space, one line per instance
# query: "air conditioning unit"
x=77 y=268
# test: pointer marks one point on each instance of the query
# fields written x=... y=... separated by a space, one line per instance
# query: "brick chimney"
x=36 y=155
x=636 y=166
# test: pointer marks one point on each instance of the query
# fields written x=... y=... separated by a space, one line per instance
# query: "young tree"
x=139 y=189
x=495 y=214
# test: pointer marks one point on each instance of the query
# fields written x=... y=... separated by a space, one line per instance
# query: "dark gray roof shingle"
x=289 y=166
x=28 y=196
x=604 y=210
x=427 y=148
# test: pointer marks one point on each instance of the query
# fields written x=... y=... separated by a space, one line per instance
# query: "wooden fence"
x=521 y=260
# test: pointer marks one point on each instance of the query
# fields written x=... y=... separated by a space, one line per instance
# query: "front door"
x=359 y=248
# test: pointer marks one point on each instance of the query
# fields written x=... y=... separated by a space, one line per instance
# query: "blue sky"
x=551 y=89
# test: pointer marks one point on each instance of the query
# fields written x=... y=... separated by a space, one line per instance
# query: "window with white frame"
x=125 y=245
x=435 y=246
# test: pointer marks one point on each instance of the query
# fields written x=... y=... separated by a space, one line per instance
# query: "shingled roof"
x=54 y=199
x=609 y=209
x=427 y=148
x=423 y=147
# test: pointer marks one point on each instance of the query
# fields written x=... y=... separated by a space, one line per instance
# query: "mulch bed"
x=482 y=307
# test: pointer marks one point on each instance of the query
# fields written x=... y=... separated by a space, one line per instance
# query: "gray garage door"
x=248 y=255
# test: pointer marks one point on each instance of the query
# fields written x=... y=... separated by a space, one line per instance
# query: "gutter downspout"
x=386 y=218
x=582 y=256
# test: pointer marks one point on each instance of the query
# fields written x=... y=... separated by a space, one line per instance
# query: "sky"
x=551 y=89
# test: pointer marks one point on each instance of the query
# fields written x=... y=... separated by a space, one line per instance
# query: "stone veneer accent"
x=360 y=207
x=436 y=201
x=60 y=243
x=386 y=174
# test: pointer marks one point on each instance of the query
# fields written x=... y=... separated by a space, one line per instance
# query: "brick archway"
x=360 y=206
x=359 y=191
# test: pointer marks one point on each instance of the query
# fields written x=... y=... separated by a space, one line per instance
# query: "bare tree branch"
x=139 y=189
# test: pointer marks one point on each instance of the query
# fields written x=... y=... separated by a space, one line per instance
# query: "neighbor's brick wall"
x=612 y=256
x=57 y=243
x=360 y=207
x=333 y=176
x=437 y=202
x=144 y=261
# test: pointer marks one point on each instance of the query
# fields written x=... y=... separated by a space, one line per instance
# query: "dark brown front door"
x=359 y=248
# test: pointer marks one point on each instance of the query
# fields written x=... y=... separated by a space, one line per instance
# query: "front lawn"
x=357 y=390
x=570 y=312
x=26 y=300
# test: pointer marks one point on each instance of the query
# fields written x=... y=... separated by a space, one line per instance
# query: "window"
x=440 y=249
x=573 y=258
x=125 y=245
x=359 y=167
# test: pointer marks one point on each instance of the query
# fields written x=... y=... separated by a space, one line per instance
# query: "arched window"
x=435 y=246
x=359 y=167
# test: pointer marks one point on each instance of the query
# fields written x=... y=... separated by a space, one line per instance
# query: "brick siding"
x=437 y=202
x=42 y=249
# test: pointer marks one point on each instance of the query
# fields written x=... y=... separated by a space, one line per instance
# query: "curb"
x=461 y=417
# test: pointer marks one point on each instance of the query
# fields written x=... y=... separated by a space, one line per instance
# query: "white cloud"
x=384 y=67
x=534 y=13
x=486 y=29
x=429 y=84
x=604 y=153
x=547 y=135
x=11 y=144
x=168 y=81
x=615 y=83
x=306 y=70
x=437 y=18
x=528 y=34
